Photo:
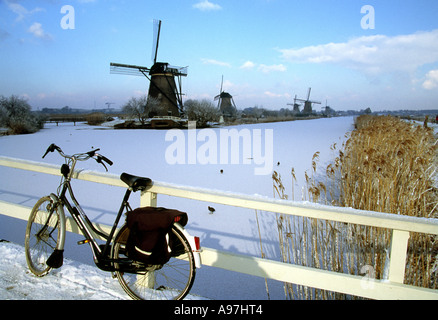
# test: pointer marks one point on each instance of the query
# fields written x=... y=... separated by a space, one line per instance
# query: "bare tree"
x=202 y=112
x=141 y=108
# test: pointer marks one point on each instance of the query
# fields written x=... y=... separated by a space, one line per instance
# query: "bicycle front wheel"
x=42 y=235
x=171 y=281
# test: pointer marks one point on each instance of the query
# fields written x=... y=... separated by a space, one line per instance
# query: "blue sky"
x=268 y=51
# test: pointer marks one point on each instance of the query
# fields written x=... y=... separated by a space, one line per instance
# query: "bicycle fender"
x=62 y=224
x=191 y=240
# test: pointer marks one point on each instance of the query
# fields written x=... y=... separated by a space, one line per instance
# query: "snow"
x=73 y=281
x=142 y=152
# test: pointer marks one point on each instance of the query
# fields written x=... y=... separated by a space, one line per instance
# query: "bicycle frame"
x=101 y=253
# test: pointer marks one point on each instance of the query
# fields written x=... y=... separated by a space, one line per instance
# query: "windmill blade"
x=177 y=71
x=127 y=69
x=222 y=83
x=234 y=105
x=217 y=97
x=156 y=39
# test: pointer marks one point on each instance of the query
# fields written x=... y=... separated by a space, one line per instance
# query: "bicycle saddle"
x=135 y=182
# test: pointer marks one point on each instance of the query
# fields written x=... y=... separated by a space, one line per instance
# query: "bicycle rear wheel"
x=171 y=281
x=42 y=235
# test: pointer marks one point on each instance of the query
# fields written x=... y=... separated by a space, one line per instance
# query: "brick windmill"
x=165 y=80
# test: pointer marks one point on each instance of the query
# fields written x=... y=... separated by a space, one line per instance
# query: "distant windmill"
x=296 y=106
x=226 y=102
x=307 y=103
x=161 y=76
x=327 y=110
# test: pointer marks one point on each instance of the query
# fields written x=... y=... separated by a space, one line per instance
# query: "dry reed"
x=386 y=165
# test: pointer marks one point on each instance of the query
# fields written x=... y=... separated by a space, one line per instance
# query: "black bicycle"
x=46 y=230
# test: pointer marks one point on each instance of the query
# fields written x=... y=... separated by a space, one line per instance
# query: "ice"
x=142 y=152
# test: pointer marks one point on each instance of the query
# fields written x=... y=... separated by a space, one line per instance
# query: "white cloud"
x=373 y=54
x=207 y=6
x=37 y=30
x=228 y=85
x=139 y=93
x=272 y=68
x=248 y=65
x=277 y=95
x=431 y=81
x=215 y=62
x=21 y=11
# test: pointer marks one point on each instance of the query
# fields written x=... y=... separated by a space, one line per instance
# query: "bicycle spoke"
x=42 y=236
x=172 y=280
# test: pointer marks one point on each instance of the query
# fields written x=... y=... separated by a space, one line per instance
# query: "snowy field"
x=74 y=281
x=147 y=153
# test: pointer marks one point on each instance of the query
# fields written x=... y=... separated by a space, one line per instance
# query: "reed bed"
x=386 y=165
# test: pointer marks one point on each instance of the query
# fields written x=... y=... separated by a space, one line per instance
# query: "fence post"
x=399 y=249
x=148 y=199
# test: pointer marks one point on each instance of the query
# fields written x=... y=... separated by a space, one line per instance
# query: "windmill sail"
x=220 y=92
x=156 y=39
x=128 y=69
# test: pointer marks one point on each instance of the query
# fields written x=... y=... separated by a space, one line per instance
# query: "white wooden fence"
x=401 y=226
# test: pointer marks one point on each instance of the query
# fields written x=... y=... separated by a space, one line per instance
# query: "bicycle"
x=46 y=229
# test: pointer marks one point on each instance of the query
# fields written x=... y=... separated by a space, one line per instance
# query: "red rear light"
x=197 y=243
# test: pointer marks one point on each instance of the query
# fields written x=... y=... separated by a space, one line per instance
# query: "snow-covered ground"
x=73 y=281
x=143 y=152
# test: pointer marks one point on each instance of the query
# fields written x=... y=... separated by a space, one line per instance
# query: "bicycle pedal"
x=83 y=241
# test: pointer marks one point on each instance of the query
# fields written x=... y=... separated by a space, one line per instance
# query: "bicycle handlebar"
x=52 y=148
x=80 y=156
x=101 y=158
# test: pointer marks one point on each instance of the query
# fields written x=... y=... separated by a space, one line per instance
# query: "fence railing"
x=390 y=288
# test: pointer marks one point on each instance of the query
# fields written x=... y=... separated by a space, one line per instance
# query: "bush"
x=16 y=115
x=201 y=111
x=95 y=118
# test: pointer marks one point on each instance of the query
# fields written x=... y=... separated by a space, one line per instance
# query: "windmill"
x=327 y=110
x=226 y=102
x=296 y=106
x=165 y=80
x=307 y=103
